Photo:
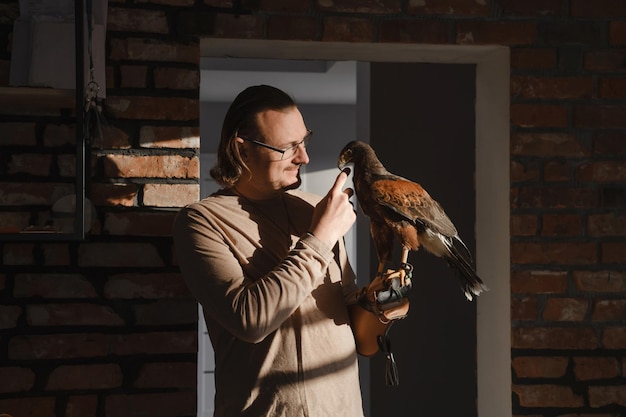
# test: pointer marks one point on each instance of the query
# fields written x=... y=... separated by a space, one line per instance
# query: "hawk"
x=402 y=209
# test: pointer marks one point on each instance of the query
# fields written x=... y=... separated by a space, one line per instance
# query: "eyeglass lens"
x=291 y=152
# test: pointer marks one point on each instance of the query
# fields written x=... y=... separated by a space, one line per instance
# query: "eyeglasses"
x=286 y=153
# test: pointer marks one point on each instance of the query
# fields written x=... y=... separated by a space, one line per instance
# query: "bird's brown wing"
x=411 y=201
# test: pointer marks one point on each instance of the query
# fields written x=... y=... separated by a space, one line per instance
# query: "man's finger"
x=341 y=179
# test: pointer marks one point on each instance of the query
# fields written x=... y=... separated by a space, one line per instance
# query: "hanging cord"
x=93 y=104
x=392 y=377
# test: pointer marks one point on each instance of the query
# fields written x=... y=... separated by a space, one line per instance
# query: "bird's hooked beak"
x=345 y=159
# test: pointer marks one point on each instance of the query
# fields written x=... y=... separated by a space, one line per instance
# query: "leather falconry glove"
x=386 y=295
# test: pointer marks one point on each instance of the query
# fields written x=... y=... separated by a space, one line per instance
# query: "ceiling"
x=308 y=82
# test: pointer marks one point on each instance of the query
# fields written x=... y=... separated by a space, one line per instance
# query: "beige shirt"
x=276 y=315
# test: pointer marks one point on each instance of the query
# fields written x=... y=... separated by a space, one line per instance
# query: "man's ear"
x=241 y=146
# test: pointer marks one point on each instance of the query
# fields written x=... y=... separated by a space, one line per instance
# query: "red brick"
x=609 y=310
x=555 y=197
x=557 y=171
x=237 y=26
x=605 y=60
x=603 y=171
x=169 y=137
x=552 y=87
x=125 y=19
x=566 y=253
x=538 y=282
x=598 y=9
x=139 y=223
x=610 y=143
x=565 y=309
x=133 y=76
x=293 y=27
x=138 y=49
x=52 y=286
x=112 y=138
x=170 y=195
x=559 y=32
x=546 y=395
x=167 y=375
x=9 y=315
x=58 y=346
x=32 y=193
x=498 y=33
x=595 y=368
x=547 y=144
x=613 y=252
x=18 y=254
x=283 y=6
x=607 y=224
x=81 y=406
x=30 y=163
x=154 y=405
x=614 y=338
x=617 y=33
x=524 y=308
x=600 y=396
x=540 y=366
x=59 y=135
x=177 y=3
x=176 y=78
x=114 y=194
x=527 y=171
x=156 y=343
x=614 y=87
x=158 y=166
x=35 y=406
x=414 y=31
x=347 y=29
x=115 y=254
x=533 y=58
x=13 y=222
x=523 y=225
x=561 y=225
x=56 y=254
x=80 y=314
x=554 y=338
x=529 y=8
x=78 y=377
x=539 y=115
x=600 y=281
x=22 y=134
x=66 y=165
x=361 y=6
x=153 y=108
x=145 y=286
x=599 y=116
x=16 y=379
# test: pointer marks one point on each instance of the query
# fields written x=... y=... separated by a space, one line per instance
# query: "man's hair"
x=241 y=119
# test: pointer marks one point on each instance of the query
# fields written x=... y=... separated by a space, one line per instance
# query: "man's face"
x=281 y=129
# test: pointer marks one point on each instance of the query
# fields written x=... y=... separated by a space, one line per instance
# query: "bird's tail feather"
x=469 y=280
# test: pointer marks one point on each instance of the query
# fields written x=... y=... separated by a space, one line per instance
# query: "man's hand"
x=386 y=296
x=334 y=215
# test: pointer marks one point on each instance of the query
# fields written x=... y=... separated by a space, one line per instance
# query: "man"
x=268 y=265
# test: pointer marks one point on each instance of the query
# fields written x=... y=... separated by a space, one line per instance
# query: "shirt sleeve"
x=249 y=309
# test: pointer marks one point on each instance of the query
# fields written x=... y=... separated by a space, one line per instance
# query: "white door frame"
x=492 y=178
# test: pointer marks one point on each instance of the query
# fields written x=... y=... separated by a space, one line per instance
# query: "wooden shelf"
x=36 y=101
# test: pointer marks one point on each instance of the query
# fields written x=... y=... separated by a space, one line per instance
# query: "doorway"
x=491 y=194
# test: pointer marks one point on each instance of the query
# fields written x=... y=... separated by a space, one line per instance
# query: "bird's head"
x=354 y=153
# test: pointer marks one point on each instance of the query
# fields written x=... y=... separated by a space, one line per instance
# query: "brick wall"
x=105 y=327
